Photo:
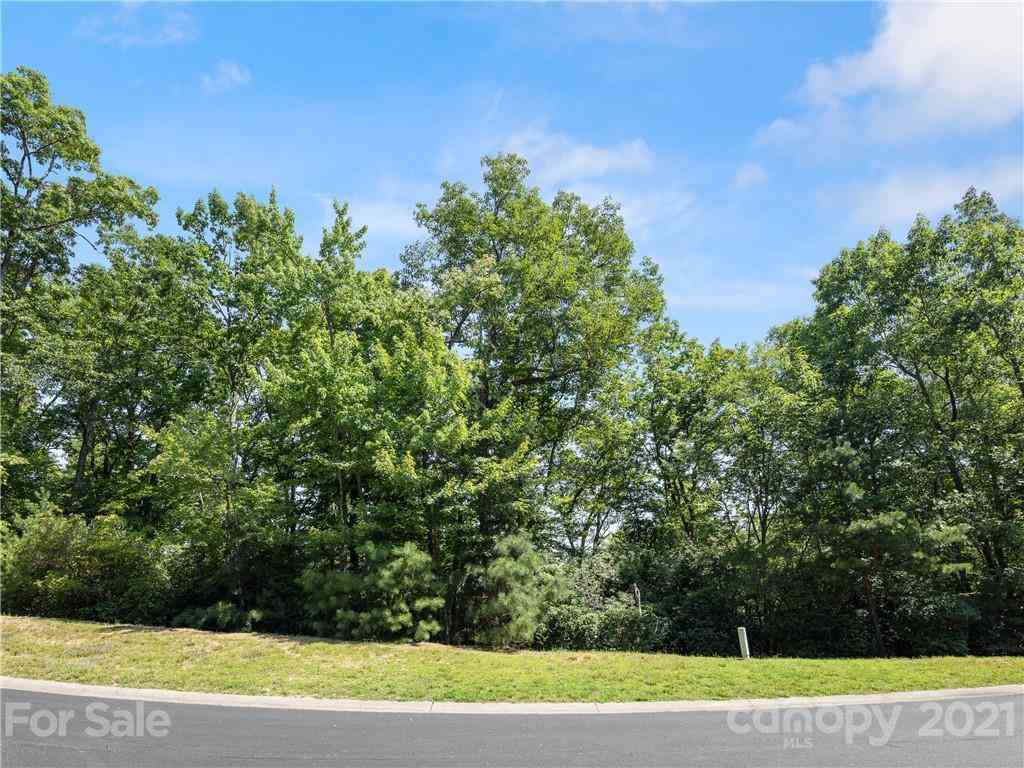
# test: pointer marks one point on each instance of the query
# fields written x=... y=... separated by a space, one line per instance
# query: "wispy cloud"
x=387 y=210
x=649 y=210
x=656 y=23
x=494 y=107
x=225 y=76
x=749 y=175
x=548 y=25
x=382 y=218
x=708 y=293
x=932 y=68
x=894 y=200
x=654 y=199
x=555 y=158
x=140 y=24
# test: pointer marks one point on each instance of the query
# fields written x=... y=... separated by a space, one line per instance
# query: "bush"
x=394 y=597
x=516 y=587
x=932 y=625
x=616 y=625
x=61 y=566
x=703 y=621
x=999 y=628
x=621 y=627
x=571 y=626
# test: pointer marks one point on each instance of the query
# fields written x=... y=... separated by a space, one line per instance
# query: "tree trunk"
x=87 y=425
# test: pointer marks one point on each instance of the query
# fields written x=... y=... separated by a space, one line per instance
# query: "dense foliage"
x=506 y=441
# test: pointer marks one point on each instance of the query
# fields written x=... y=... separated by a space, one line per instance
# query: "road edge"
x=491 y=708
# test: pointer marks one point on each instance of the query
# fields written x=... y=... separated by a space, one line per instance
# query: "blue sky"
x=747 y=143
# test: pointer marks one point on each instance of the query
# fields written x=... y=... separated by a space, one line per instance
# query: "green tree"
x=369 y=404
x=46 y=201
x=546 y=303
x=543 y=297
x=393 y=595
x=683 y=408
x=52 y=191
x=942 y=314
x=515 y=585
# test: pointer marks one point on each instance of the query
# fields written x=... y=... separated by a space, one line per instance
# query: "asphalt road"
x=982 y=732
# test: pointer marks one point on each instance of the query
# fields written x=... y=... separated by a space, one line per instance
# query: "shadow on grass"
x=382 y=645
x=296 y=639
x=151 y=629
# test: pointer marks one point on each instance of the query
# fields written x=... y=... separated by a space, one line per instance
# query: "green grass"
x=189 y=660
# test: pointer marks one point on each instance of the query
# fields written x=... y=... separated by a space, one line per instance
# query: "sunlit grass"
x=190 y=660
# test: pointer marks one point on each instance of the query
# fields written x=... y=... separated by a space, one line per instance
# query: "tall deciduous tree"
x=53 y=187
x=943 y=314
x=53 y=190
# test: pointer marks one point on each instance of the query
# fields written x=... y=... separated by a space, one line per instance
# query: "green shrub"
x=621 y=627
x=516 y=587
x=932 y=624
x=614 y=625
x=570 y=626
x=703 y=621
x=61 y=566
x=999 y=628
x=395 y=596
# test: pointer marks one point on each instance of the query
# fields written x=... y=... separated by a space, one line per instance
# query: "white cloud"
x=805 y=273
x=931 y=68
x=749 y=175
x=557 y=25
x=226 y=75
x=647 y=210
x=387 y=211
x=649 y=190
x=555 y=158
x=896 y=199
x=140 y=24
x=702 y=282
x=654 y=23
x=707 y=293
x=666 y=210
x=494 y=107
x=653 y=200
x=385 y=217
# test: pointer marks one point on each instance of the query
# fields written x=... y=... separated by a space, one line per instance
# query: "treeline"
x=504 y=442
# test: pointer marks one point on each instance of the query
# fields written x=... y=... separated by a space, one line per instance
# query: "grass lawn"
x=190 y=660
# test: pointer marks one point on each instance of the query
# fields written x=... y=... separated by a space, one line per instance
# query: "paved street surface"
x=982 y=732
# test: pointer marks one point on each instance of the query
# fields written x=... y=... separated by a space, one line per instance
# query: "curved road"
x=947 y=732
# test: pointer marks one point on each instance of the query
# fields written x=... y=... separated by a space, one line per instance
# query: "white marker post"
x=744 y=646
